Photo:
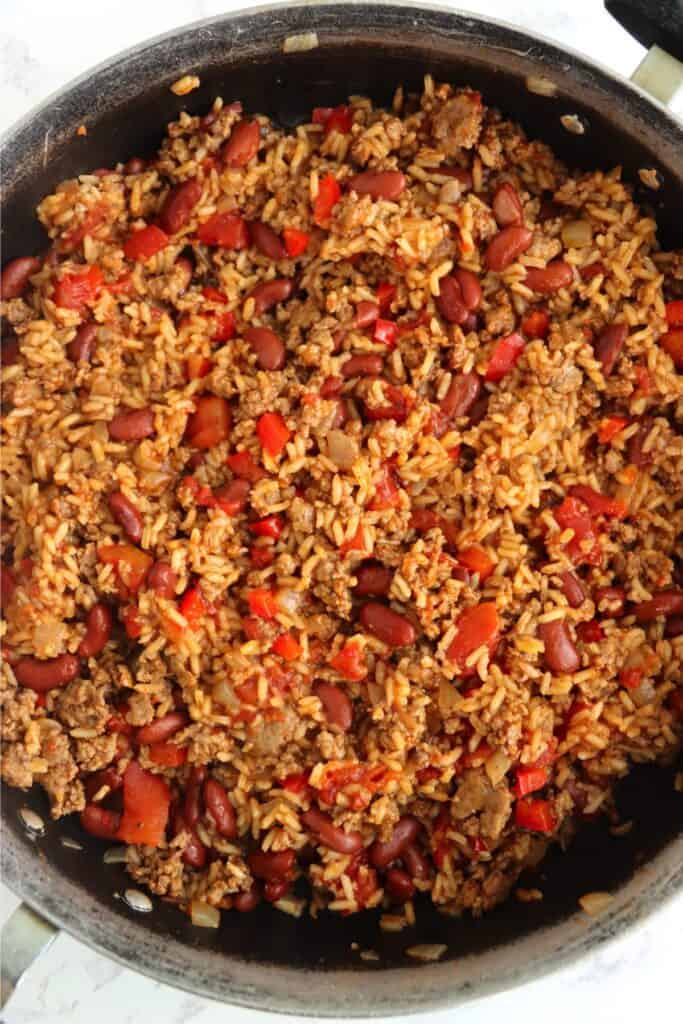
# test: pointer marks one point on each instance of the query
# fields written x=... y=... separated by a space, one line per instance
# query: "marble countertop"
x=43 y=45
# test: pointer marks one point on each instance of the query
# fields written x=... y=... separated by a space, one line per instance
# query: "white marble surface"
x=43 y=44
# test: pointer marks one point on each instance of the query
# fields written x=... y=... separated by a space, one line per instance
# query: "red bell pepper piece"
x=529 y=779
x=599 y=504
x=610 y=426
x=386 y=332
x=73 y=291
x=194 y=606
x=672 y=342
x=261 y=557
x=535 y=815
x=273 y=433
x=146 y=803
x=225 y=230
x=262 y=603
x=536 y=324
x=386 y=492
x=329 y=194
x=674 y=313
x=287 y=647
x=573 y=515
x=131 y=564
x=477 y=626
x=385 y=296
x=296 y=241
x=505 y=354
x=477 y=560
x=349 y=661
x=269 y=526
x=145 y=243
x=167 y=754
x=243 y=465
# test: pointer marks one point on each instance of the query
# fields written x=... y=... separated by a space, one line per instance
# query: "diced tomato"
x=504 y=356
x=329 y=194
x=590 y=632
x=224 y=328
x=476 y=626
x=386 y=492
x=385 y=332
x=643 y=380
x=529 y=779
x=194 y=606
x=261 y=557
x=269 y=526
x=535 y=815
x=385 y=296
x=243 y=465
x=145 y=243
x=262 y=603
x=610 y=426
x=296 y=783
x=73 y=291
x=476 y=560
x=573 y=515
x=334 y=119
x=130 y=617
x=296 y=241
x=197 y=366
x=536 y=324
x=287 y=647
x=210 y=423
x=146 y=803
x=672 y=342
x=349 y=662
x=674 y=313
x=273 y=433
x=226 y=230
x=132 y=564
x=630 y=678
x=167 y=754
x=599 y=504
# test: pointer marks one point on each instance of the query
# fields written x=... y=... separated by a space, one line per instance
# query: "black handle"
x=652 y=22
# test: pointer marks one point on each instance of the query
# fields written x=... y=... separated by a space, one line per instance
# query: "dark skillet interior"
x=125 y=108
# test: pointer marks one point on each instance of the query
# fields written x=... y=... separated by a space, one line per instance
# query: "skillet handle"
x=657 y=24
x=23 y=938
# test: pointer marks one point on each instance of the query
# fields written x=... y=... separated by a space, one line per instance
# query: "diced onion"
x=115 y=855
x=577 y=234
x=594 y=903
x=203 y=915
x=496 y=766
x=289 y=600
x=449 y=698
x=342 y=450
x=224 y=694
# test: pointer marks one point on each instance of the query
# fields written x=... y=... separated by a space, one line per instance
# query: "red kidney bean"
x=591 y=270
x=387 y=625
x=245 y=902
x=267 y=241
x=507 y=246
x=269 y=293
x=663 y=602
x=162 y=728
x=336 y=705
x=460 y=173
x=507 y=206
x=399 y=885
x=192 y=806
x=673 y=626
x=126 y=515
x=42 y=676
x=547 y=280
x=341 y=414
x=162 y=579
x=99 y=822
x=267 y=346
x=242 y=145
x=136 y=165
x=415 y=862
x=378 y=184
x=272 y=866
x=233 y=497
x=461 y=395
x=373 y=580
x=470 y=288
x=80 y=349
x=404 y=834
x=366 y=314
x=634 y=446
x=218 y=805
x=362 y=366
x=449 y=301
x=105 y=777
x=609 y=344
x=195 y=853
x=329 y=834
x=613 y=599
x=15 y=275
x=275 y=889
x=9 y=354
x=178 y=206
x=132 y=425
x=572 y=588
x=98 y=631
x=560 y=653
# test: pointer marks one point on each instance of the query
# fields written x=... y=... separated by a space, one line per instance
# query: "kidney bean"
x=507 y=246
x=132 y=425
x=268 y=347
x=399 y=885
x=245 y=902
x=415 y=862
x=387 y=625
x=192 y=806
x=507 y=206
x=405 y=832
x=331 y=835
x=178 y=206
x=634 y=446
x=613 y=599
x=162 y=728
x=126 y=515
x=275 y=889
x=99 y=822
x=242 y=145
x=269 y=293
x=560 y=653
x=136 y=165
x=572 y=588
x=362 y=366
x=373 y=580
x=341 y=413
x=162 y=579
x=547 y=280
x=232 y=497
x=195 y=853
x=105 y=777
x=366 y=314
x=15 y=275
x=98 y=631
x=461 y=395
x=450 y=301
x=267 y=241
x=80 y=349
x=336 y=705
x=42 y=676
x=470 y=288
x=673 y=626
x=272 y=866
x=608 y=345
x=378 y=184
x=221 y=810
x=9 y=354
x=663 y=602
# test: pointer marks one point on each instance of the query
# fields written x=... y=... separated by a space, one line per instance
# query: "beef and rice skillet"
x=342 y=483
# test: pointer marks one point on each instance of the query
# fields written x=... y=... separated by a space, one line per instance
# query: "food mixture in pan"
x=342 y=506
